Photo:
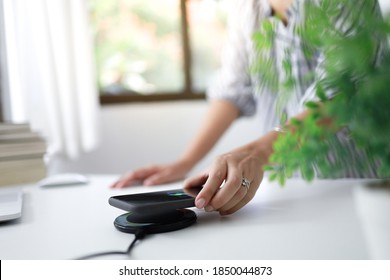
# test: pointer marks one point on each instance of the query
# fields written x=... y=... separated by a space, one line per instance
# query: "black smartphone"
x=153 y=202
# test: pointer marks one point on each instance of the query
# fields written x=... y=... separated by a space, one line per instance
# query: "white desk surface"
x=299 y=221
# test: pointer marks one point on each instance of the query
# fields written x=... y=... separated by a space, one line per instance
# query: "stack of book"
x=22 y=154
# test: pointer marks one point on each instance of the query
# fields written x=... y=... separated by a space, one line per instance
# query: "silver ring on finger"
x=245 y=183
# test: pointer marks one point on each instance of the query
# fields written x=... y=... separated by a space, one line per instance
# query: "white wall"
x=385 y=5
x=135 y=135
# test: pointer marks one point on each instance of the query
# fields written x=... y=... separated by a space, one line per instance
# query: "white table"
x=299 y=221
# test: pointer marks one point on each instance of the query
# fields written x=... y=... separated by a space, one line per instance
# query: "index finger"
x=214 y=181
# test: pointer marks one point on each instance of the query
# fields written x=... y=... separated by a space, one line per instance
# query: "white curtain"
x=50 y=79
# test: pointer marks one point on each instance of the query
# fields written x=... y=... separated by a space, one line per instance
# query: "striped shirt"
x=237 y=84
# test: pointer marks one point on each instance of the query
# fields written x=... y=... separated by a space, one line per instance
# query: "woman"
x=238 y=93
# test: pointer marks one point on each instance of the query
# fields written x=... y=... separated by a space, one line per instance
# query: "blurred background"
x=113 y=85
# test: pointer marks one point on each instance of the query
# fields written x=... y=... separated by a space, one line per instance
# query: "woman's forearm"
x=217 y=120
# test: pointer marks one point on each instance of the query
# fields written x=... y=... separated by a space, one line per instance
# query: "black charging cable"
x=139 y=235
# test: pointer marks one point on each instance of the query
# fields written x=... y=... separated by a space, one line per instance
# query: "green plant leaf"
x=352 y=87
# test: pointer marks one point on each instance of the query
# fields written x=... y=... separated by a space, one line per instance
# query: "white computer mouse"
x=64 y=179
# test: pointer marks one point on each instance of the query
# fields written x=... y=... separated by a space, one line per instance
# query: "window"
x=149 y=50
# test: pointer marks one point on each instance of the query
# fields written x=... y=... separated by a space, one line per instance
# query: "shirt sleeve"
x=233 y=81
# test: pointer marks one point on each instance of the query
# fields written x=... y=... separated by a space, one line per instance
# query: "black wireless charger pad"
x=155 y=223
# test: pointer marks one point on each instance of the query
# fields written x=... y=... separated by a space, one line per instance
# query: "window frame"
x=187 y=93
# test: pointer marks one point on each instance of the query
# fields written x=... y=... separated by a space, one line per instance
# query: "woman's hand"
x=154 y=175
x=224 y=188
